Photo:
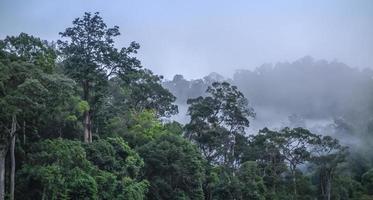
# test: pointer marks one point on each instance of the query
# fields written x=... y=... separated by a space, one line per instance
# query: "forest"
x=81 y=118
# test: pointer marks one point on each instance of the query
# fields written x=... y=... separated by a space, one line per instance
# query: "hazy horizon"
x=196 y=38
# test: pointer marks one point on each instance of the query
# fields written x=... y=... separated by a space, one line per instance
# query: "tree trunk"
x=12 y=167
x=86 y=127
x=43 y=196
x=292 y=169
x=12 y=135
x=24 y=132
x=90 y=127
x=87 y=114
x=295 y=188
x=3 y=150
x=328 y=186
x=323 y=185
x=326 y=183
x=2 y=173
x=233 y=151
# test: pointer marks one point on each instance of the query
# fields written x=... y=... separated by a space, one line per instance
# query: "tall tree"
x=327 y=154
x=90 y=57
x=218 y=120
x=265 y=149
x=295 y=146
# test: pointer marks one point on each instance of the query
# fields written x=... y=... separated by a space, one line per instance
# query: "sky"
x=197 y=37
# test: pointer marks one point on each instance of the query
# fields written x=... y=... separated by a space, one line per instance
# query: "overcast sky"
x=195 y=37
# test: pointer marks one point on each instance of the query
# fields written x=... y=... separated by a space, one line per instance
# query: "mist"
x=327 y=97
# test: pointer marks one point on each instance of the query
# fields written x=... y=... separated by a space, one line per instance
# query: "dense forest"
x=81 y=118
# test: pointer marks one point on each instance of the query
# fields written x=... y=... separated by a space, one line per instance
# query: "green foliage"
x=306 y=190
x=142 y=90
x=367 y=181
x=327 y=155
x=55 y=165
x=90 y=47
x=62 y=108
x=32 y=88
x=252 y=185
x=174 y=127
x=344 y=187
x=81 y=185
x=64 y=169
x=287 y=146
x=246 y=184
x=141 y=128
x=173 y=167
x=114 y=155
x=147 y=124
x=22 y=92
x=32 y=50
x=228 y=187
x=265 y=149
x=107 y=184
x=130 y=189
x=82 y=106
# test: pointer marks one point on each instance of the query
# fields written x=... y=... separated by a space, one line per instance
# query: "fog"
x=327 y=97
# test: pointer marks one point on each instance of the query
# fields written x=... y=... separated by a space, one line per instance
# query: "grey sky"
x=197 y=37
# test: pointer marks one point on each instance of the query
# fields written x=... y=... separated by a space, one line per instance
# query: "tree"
x=227 y=187
x=32 y=50
x=367 y=181
x=217 y=121
x=139 y=129
x=115 y=156
x=121 y=167
x=344 y=187
x=90 y=58
x=130 y=96
x=179 y=87
x=265 y=149
x=327 y=154
x=142 y=90
x=251 y=183
x=295 y=147
x=173 y=167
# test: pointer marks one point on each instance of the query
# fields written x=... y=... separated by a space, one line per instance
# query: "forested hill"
x=313 y=90
x=308 y=87
x=82 y=118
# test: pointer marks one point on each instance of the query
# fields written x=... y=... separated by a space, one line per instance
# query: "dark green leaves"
x=173 y=167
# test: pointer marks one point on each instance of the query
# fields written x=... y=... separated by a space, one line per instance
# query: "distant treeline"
x=308 y=87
